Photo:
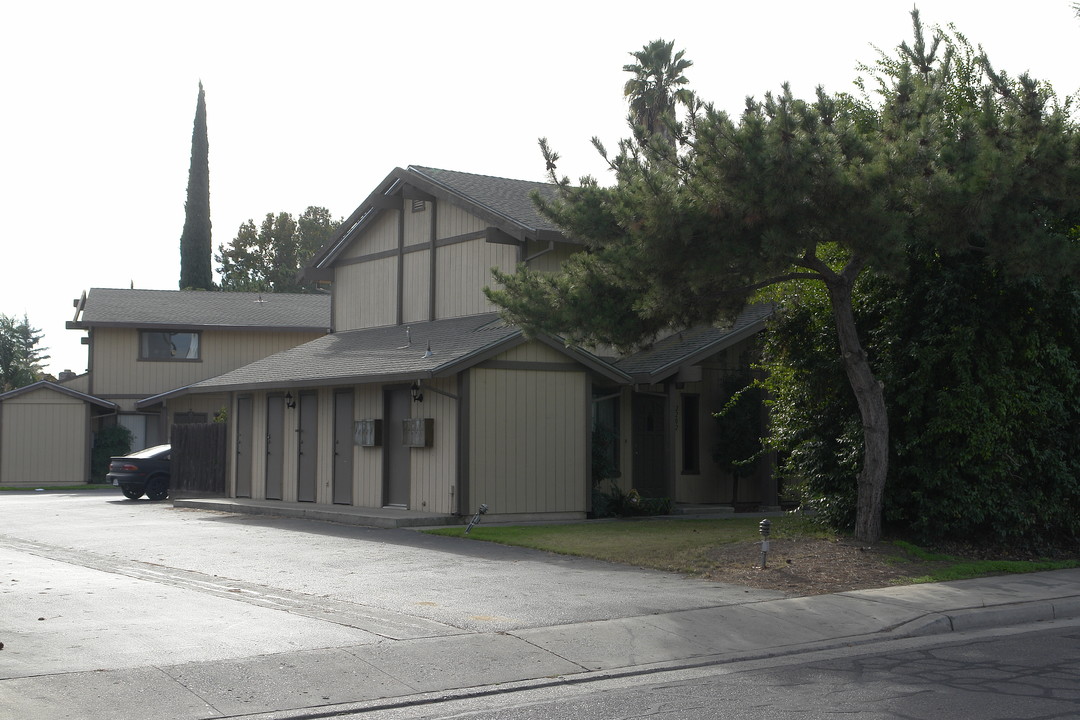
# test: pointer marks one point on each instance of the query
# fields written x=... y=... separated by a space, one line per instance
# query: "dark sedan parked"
x=145 y=471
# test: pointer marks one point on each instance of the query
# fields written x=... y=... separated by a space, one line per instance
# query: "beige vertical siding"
x=464 y=270
x=527 y=441
x=453 y=221
x=434 y=469
x=118 y=370
x=549 y=261
x=417 y=293
x=535 y=352
x=368 y=462
x=365 y=294
x=43 y=439
x=417 y=224
x=380 y=236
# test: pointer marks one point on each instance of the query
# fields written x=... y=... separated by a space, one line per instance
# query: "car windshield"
x=150 y=452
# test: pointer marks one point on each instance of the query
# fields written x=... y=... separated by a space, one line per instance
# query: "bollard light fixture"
x=764 y=527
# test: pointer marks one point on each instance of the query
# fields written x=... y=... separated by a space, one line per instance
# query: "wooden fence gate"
x=198 y=459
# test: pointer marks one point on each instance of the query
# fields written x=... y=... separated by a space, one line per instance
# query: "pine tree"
x=817 y=191
x=20 y=357
x=195 y=244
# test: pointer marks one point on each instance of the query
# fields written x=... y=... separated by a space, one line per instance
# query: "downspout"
x=550 y=248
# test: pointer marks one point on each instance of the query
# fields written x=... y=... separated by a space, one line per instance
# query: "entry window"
x=168 y=346
x=691 y=435
x=605 y=437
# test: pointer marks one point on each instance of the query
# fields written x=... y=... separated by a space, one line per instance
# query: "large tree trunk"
x=871 y=399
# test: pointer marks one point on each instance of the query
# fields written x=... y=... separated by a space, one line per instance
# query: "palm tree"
x=655 y=88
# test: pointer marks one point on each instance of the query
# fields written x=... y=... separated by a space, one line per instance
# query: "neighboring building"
x=142 y=343
x=422 y=398
x=145 y=342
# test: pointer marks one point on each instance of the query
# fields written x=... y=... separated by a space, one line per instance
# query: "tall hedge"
x=981 y=376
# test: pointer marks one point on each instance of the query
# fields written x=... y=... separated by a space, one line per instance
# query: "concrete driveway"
x=94 y=583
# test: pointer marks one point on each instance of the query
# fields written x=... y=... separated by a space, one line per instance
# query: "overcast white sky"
x=314 y=103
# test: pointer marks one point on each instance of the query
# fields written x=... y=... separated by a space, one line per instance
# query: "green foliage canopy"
x=970 y=162
x=20 y=356
x=656 y=87
x=269 y=258
x=984 y=369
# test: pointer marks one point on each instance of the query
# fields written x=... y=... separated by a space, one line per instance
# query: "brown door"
x=243 y=446
x=397 y=465
x=343 y=447
x=275 y=446
x=307 y=446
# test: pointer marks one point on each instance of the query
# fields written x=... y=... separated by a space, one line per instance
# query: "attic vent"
x=419 y=206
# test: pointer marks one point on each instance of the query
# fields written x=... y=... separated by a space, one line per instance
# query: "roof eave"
x=722 y=343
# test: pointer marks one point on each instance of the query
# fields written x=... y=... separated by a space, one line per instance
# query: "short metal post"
x=764 y=527
x=482 y=510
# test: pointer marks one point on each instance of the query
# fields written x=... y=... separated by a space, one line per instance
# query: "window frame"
x=690 y=405
x=145 y=355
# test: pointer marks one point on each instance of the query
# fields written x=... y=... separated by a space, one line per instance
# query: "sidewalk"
x=323 y=681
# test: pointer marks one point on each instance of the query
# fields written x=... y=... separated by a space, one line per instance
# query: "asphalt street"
x=1030 y=672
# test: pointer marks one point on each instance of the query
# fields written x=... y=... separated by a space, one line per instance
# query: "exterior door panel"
x=307 y=441
x=398 y=455
x=243 y=446
x=275 y=446
x=343 y=447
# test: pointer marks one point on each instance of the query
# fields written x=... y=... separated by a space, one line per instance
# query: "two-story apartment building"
x=142 y=343
x=422 y=398
x=146 y=342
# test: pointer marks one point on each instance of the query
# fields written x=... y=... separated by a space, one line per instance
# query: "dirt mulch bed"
x=812 y=566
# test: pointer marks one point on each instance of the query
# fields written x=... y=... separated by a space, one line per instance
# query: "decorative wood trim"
x=433 y=285
x=455 y=239
x=418 y=247
x=386 y=202
x=400 y=268
x=500 y=237
x=411 y=192
x=371 y=257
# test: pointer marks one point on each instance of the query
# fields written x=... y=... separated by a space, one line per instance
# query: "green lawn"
x=693 y=546
x=679 y=545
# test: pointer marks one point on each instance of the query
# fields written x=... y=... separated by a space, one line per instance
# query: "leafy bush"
x=108 y=442
x=616 y=502
x=981 y=375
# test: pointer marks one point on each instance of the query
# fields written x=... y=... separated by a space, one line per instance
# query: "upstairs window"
x=168 y=346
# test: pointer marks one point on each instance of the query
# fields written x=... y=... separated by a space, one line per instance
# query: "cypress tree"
x=195 y=245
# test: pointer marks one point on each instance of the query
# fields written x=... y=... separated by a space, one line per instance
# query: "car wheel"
x=157 y=488
x=132 y=492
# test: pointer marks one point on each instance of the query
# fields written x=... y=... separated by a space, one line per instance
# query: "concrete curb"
x=964 y=620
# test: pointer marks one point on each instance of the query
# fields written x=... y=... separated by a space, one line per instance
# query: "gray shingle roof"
x=185 y=309
x=395 y=353
x=666 y=356
x=501 y=202
x=506 y=197
x=385 y=354
x=54 y=387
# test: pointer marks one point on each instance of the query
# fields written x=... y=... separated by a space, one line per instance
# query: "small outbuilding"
x=45 y=434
